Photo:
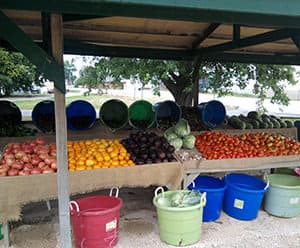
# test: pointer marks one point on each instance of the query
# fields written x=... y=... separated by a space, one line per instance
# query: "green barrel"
x=1 y=235
x=114 y=114
x=141 y=114
x=283 y=196
x=179 y=226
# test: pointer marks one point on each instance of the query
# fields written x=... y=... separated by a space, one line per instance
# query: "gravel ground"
x=138 y=227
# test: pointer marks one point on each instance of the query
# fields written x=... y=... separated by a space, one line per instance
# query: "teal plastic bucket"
x=179 y=226
x=43 y=116
x=141 y=114
x=243 y=196
x=81 y=115
x=212 y=113
x=167 y=114
x=114 y=114
x=283 y=197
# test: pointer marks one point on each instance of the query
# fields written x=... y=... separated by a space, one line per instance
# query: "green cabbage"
x=177 y=143
x=188 y=141
x=170 y=134
x=182 y=128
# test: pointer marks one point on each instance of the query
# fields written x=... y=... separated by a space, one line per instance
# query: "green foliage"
x=177 y=76
x=70 y=69
x=16 y=73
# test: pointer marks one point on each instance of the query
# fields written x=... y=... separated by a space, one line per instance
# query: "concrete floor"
x=139 y=229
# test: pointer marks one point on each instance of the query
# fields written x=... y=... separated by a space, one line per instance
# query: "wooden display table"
x=194 y=168
x=19 y=190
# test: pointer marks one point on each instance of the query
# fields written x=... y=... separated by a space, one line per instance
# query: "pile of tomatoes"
x=218 y=145
x=28 y=158
x=95 y=154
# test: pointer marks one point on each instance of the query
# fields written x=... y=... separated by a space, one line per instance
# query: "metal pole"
x=61 y=139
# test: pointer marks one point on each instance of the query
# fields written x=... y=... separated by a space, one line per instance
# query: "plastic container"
x=1 y=234
x=43 y=116
x=10 y=112
x=297 y=125
x=95 y=221
x=212 y=113
x=114 y=114
x=141 y=114
x=214 y=188
x=81 y=115
x=283 y=196
x=167 y=114
x=243 y=196
x=179 y=226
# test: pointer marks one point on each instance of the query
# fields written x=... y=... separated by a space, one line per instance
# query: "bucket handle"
x=112 y=190
x=193 y=184
x=76 y=206
x=267 y=186
x=159 y=189
x=203 y=199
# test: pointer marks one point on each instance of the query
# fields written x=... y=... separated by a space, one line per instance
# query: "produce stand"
x=235 y=31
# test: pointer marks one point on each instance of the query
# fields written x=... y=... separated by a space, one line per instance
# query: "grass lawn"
x=95 y=100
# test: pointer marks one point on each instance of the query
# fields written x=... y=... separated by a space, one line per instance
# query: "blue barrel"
x=214 y=188
x=81 y=115
x=43 y=116
x=212 y=113
x=167 y=113
x=243 y=196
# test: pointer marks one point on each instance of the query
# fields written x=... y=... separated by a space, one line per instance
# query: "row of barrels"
x=114 y=113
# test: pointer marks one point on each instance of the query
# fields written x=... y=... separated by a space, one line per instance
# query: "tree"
x=17 y=73
x=70 y=69
x=178 y=76
x=98 y=76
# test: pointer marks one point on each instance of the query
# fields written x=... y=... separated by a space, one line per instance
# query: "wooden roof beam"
x=207 y=32
x=251 y=41
x=296 y=40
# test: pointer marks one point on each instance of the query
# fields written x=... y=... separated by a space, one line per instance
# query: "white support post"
x=61 y=139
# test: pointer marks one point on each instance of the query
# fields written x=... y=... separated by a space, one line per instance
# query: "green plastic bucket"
x=141 y=114
x=283 y=197
x=114 y=114
x=179 y=226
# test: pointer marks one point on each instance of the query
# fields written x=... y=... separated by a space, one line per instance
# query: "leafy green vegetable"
x=182 y=128
x=177 y=143
x=188 y=141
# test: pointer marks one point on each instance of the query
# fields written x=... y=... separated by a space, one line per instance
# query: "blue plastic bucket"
x=81 y=115
x=167 y=113
x=43 y=116
x=212 y=113
x=214 y=188
x=243 y=196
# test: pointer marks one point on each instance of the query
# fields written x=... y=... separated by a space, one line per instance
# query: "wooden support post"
x=5 y=229
x=61 y=139
x=197 y=63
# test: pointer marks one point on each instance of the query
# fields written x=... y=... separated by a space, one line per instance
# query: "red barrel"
x=95 y=221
